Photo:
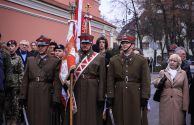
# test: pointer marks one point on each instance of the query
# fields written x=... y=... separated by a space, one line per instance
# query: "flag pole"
x=71 y=103
x=72 y=11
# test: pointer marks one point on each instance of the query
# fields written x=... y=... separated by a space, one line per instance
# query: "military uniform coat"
x=128 y=81
x=18 y=70
x=89 y=90
x=174 y=99
x=41 y=86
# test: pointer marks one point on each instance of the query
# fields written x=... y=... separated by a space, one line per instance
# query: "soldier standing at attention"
x=89 y=89
x=41 y=86
x=128 y=84
x=12 y=97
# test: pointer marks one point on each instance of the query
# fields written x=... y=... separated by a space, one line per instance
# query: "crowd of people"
x=106 y=83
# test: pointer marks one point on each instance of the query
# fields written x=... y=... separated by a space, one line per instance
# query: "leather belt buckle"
x=38 y=79
x=126 y=78
x=83 y=76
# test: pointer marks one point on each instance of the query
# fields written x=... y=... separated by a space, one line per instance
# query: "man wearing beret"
x=41 y=87
x=12 y=104
x=90 y=79
x=128 y=84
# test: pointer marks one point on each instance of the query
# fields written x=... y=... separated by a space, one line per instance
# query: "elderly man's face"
x=182 y=54
x=24 y=47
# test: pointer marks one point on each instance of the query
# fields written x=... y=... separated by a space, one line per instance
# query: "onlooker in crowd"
x=60 y=53
x=41 y=86
x=191 y=104
x=174 y=99
x=128 y=84
x=23 y=52
x=12 y=104
x=102 y=43
x=51 y=47
x=185 y=65
x=34 y=47
x=5 y=79
x=171 y=50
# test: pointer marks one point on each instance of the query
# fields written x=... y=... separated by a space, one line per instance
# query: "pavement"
x=153 y=114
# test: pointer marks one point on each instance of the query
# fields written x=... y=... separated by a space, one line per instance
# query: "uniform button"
x=126 y=70
x=171 y=96
x=126 y=87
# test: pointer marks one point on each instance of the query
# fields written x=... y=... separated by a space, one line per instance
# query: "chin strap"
x=127 y=49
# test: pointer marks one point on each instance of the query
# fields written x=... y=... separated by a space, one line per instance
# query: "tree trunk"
x=137 y=25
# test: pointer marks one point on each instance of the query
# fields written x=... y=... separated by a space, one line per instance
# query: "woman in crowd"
x=175 y=96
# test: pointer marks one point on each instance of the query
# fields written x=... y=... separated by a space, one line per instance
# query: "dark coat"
x=90 y=91
x=28 y=54
x=127 y=83
x=41 y=86
x=33 y=53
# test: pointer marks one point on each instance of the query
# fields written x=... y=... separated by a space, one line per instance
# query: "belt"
x=126 y=79
x=39 y=79
x=87 y=76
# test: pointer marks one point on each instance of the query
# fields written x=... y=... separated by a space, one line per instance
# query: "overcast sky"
x=110 y=13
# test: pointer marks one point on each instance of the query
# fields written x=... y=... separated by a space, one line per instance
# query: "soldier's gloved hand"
x=23 y=102
x=65 y=87
x=109 y=102
x=144 y=103
x=56 y=106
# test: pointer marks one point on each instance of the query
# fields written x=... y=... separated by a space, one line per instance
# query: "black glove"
x=144 y=103
x=161 y=83
x=56 y=106
x=65 y=87
x=109 y=102
x=23 y=102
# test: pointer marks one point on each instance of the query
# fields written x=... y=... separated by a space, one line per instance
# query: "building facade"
x=28 y=19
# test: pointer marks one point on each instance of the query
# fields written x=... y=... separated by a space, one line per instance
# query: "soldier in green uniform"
x=41 y=86
x=5 y=79
x=128 y=84
x=12 y=103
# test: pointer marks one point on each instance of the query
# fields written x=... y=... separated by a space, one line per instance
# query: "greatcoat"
x=174 y=99
x=128 y=81
x=40 y=87
x=89 y=90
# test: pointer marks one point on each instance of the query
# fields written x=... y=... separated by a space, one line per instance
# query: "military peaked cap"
x=43 y=41
x=86 y=38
